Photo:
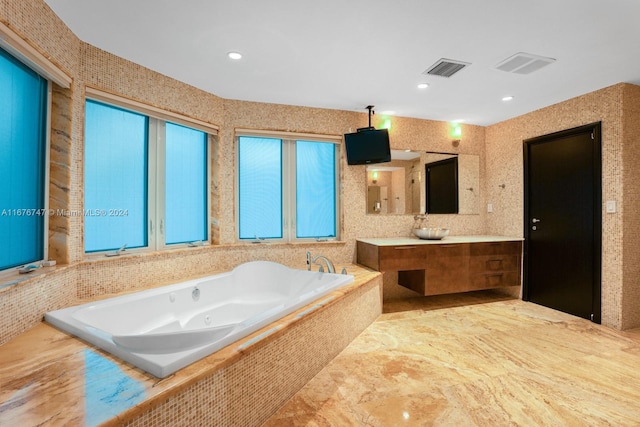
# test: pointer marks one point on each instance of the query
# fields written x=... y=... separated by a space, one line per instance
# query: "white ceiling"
x=346 y=54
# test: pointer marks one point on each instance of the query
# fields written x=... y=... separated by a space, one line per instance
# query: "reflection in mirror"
x=469 y=184
x=399 y=187
x=441 y=181
x=468 y=180
x=394 y=187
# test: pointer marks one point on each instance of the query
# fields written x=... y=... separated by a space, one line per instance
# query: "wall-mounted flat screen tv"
x=367 y=146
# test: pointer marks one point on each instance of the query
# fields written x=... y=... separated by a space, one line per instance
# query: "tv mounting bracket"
x=371 y=112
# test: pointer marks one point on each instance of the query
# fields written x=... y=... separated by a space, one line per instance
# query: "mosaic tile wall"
x=22 y=306
x=505 y=166
x=630 y=207
x=108 y=276
x=35 y=22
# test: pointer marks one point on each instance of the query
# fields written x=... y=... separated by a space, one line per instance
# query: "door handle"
x=535 y=220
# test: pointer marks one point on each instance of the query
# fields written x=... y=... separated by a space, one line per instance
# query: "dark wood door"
x=563 y=186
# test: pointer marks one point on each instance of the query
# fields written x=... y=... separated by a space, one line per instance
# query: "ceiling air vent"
x=446 y=68
x=524 y=63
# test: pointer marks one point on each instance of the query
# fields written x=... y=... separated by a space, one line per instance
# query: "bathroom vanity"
x=454 y=264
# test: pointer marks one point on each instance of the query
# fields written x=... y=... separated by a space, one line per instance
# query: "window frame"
x=156 y=157
x=288 y=220
x=25 y=59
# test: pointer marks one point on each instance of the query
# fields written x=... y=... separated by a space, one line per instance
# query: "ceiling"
x=347 y=54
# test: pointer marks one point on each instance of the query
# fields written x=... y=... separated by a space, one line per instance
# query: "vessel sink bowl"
x=431 y=233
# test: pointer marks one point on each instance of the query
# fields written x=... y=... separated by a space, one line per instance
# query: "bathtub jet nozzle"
x=195 y=294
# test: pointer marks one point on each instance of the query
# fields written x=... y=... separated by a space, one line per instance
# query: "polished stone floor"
x=478 y=359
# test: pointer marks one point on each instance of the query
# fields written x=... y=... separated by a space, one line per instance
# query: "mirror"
x=398 y=187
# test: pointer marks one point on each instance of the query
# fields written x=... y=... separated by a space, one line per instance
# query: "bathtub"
x=164 y=329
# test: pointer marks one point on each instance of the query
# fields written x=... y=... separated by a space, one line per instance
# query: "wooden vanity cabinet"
x=443 y=268
x=494 y=264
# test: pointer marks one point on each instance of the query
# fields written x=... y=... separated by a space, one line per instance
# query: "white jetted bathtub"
x=164 y=329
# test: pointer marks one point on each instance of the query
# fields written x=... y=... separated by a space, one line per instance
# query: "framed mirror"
x=399 y=187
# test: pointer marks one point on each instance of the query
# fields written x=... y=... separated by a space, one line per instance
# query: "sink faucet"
x=314 y=260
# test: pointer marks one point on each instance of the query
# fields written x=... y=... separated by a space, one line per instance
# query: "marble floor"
x=475 y=360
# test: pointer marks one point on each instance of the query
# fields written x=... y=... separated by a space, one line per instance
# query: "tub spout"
x=316 y=259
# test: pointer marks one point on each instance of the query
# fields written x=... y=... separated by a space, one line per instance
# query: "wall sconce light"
x=386 y=123
x=374 y=177
x=456 y=133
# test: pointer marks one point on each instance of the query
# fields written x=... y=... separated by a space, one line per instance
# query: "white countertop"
x=394 y=241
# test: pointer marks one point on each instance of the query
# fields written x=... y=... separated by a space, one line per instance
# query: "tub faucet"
x=314 y=260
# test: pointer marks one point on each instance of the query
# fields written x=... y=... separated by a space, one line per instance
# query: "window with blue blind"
x=287 y=188
x=146 y=181
x=115 y=178
x=260 y=188
x=23 y=157
x=316 y=194
x=185 y=184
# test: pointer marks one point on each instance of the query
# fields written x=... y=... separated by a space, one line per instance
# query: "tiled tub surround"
x=167 y=328
x=51 y=378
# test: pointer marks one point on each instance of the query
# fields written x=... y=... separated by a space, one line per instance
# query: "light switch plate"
x=489 y=207
x=611 y=206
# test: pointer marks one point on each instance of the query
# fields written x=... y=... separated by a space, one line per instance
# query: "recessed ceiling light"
x=234 y=55
x=507 y=98
x=423 y=85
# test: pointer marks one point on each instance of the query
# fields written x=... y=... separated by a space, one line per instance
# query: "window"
x=23 y=163
x=186 y=186
x=260 y=188
x=287 y=187
x=115 y=178
x=316 y=194
x=146 y=180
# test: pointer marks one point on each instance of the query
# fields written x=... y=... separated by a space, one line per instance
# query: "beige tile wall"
x=22 y=306
x=42 y=29
x=630 y=207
